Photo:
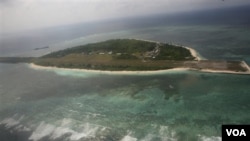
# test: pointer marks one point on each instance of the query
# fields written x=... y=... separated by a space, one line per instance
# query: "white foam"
x=73 y=135
x=212 y=138
x=77 y=136
x=166 y=134
x=163 y=130
x=22 y=128
x=9 y=122
x=14 y=124
x=64 y=71
x=149 y=137
x=53 y=132
x=128 y=138
x=41 y=131
x=60 y=131
x=90 y=129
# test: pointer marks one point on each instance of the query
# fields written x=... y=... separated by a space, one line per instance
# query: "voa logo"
x=236 y=132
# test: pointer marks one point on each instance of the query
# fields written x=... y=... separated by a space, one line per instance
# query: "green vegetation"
x=128 y=49
x=119 y=54
x=124 y=46
x=170 y=52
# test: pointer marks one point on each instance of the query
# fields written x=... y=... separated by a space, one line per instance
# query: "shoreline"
x=224 y=72
x=193 y=52
x=38 y=67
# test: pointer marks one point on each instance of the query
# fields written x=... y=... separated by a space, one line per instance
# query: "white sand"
x=194 y=53
x=38 y=67
x=245 y=65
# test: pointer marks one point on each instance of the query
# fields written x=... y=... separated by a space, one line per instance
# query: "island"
x=40 y=48
x=133 y=55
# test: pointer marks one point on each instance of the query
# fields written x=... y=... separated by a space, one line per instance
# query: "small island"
x=117 y=55
x=132 y=55
x=40 y=48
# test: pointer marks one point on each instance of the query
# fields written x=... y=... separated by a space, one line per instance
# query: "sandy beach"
x=244 y=64
x=194 y=53
x=38 y=67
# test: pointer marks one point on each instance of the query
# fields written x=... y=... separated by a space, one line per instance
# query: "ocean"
x=63 y=105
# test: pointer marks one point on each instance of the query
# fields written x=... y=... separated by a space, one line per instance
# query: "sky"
x=21 y=15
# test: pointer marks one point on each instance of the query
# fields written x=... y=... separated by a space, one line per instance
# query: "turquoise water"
x=50 y=105
x=62 y=105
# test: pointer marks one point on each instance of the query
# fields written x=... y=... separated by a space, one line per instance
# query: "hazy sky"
x=19 y=15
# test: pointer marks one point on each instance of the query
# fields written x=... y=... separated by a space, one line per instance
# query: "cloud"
x=30 y=14
x=8 y=3
x=5 y=3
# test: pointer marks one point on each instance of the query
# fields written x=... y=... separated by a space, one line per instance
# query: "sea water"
x=44 y=105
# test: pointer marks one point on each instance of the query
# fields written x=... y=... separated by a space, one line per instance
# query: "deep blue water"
x=44 y=105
